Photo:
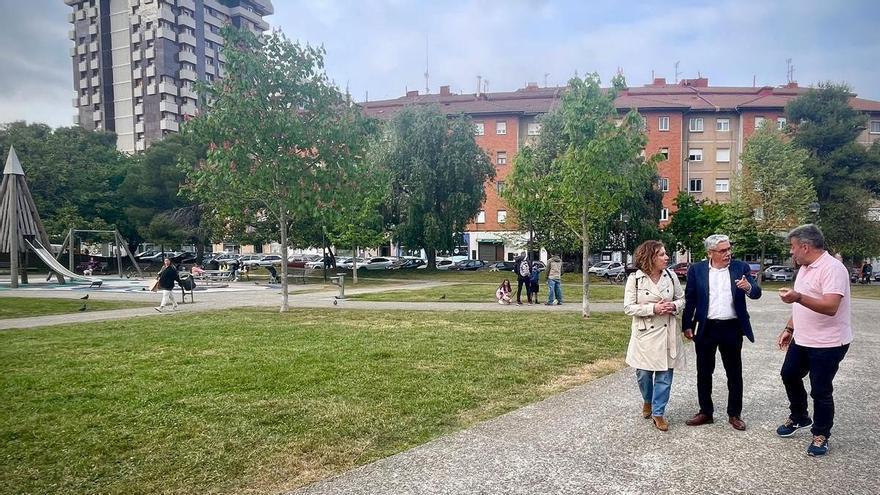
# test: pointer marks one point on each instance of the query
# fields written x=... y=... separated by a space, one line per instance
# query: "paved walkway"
x=592 y=439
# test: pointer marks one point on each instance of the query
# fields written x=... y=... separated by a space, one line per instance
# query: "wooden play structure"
x=119 y=247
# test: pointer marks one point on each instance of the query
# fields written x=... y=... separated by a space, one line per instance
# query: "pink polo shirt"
x=826 y=275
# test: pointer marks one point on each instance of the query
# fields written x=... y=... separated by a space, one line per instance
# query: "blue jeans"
x=554 y=287
x=655 y=387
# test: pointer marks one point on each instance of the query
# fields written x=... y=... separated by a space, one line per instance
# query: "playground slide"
x=55 y=266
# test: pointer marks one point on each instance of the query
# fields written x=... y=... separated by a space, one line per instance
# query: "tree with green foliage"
x=693 y=222
x=438 y=173
x=846 y=175
x=282 y=138
x=773 y=186
x=588 y=170
x=73 y=174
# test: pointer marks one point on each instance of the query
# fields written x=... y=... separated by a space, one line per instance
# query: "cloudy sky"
x=377 y=47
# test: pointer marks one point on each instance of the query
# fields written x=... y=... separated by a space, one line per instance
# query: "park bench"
x=297 y=274
x=211 y=277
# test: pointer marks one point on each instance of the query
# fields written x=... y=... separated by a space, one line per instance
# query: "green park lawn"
x=482 y=292
x=252 y=401
x=23 y=307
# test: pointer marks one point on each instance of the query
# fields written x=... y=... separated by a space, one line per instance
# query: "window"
x=696 y=125
x=665 y=153
x=722 y=155
x=502 y=216
x=875 y=127
x=501 y=158
x=695 y=154
x=780 y=123
x=759 y=121
x=500 y=186
x=501 y=127
x=722 y=125
x=664 y=184
x=481 y=217
x=663 y=124
x=696 y=185
x=664 y=214
x=534 y=129
x=479 y=128
x=722 y=185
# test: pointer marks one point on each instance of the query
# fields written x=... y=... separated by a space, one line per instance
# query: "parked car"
x=348 y=263
x=607 y=269
x=502 y=266
x=378 y=263
x=468 y=265
x=778 y=273
x=445 y=264
x=411 y=262
x=270 y=259
x=680 y=269
x=250 y=259
x=756 y=269
x=300 y=260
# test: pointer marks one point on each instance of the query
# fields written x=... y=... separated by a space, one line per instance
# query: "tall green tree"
x=589 y=172
x=438 y=174
x=693 y=222
x=773 y=185
x=282 y=137
x=846 y=175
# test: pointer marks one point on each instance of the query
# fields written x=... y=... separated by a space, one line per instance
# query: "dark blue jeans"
x=821 y=363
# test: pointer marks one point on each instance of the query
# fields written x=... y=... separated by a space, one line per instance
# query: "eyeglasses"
x=722 y=251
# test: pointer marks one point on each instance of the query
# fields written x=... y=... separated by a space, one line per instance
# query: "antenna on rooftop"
x=426 y=64
x=479 y=84
x=546 y=75
x=485 y=86
x=789 y=71
x=677 y=73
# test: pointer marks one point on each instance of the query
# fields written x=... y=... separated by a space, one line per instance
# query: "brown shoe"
x=700 y=419
x=737 y=423
x=660 y=423
x=646 y=410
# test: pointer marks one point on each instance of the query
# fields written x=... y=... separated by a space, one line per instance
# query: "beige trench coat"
x=655 y=342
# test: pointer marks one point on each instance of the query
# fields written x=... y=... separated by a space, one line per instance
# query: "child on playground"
x=503 y=292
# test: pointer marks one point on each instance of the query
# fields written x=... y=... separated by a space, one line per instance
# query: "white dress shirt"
x=720 y=295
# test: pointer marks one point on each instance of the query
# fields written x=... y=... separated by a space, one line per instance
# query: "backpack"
x=524 y=270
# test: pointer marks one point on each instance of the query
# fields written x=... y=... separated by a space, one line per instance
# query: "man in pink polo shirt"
x=817 y=335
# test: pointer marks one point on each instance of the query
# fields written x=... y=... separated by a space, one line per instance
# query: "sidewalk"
x=592 y=439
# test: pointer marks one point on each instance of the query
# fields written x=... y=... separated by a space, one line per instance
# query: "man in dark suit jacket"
x=715 y=306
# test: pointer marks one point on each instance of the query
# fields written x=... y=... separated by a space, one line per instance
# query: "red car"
x=680 y=270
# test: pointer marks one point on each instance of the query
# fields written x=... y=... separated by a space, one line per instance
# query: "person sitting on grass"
x=503 y=292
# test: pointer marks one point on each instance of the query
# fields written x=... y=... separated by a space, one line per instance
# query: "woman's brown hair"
x=644 y=255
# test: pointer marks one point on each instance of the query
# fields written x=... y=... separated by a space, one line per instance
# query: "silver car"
x=778 y=273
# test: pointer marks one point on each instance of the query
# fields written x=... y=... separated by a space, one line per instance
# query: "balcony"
x=93 y=63
x=138 y=90
x=96 y=98
x=187 y=57
x=185 y=20
x=168 y=106
x=137 y=73
x=166 y=33
x=75 y=102
x=168 y=88
x=149 y=34
x=71 y=35
x=136 y=55
x=71 y=17
x=83 y=66
x=92 y=12
x=188 y=109
x=188 y=93
x=80 y=14
x=134 y=19
x=169 y=125
x=93 y=46
x=81 y=49
x=151 y=71
x=220 y=56
x=209 y=69
x=167 y=14
x=139 y=109
x=216 y=38
x=93 y=29
x=140 y=145
x=136 y=37
x=150 y=53
x=189 y=75
x=73 y=51
x=139 y=127
x=189 y=4
x=83 y=83
x=188 y=39
x=83 y=100
x=151 y=89
x=96 y=116
x=76 y=119
x=96 y=81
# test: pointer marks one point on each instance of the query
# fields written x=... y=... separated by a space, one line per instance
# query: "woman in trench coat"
x=653 y=297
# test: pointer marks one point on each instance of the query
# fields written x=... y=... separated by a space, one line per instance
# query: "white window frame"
x=481 y=217
x=722 y=185
x=695 y=124
x=692 y=182
x=500 y=186
x=664 y=184
x=479 y=128
x=718 y=155
x=875 y=127
x=722 y=125
x=758 y=121
x=534 y=129
x=695 y=154
x=501 y=127
x=663 y=123
x=781 y=122
x=664 y=214
x=501 y=158
x=665 y=153
x=502 y=216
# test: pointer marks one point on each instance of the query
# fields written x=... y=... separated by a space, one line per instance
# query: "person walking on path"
x=554 y=281
x=653 y=296
x=167 y=276
x=817 y=335
x=523 y=272
x=715 y=316
x=502 y=294
x=867 y=271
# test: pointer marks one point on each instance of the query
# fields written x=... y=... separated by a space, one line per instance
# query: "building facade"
x=136 y=62
x=700 y=131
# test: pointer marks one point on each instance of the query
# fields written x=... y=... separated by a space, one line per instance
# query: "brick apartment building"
x=700 y=129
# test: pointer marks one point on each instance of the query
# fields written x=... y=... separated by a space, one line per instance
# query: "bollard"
x=339 y=281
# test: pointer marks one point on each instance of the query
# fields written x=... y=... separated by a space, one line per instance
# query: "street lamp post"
x=624 y=217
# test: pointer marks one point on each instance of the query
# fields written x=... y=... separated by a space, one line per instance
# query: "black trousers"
x=821 y=363
x=520 y=282
x=724 y=336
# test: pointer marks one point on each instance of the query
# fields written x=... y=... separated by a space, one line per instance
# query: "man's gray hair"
x=808 y=234
x=714 y=240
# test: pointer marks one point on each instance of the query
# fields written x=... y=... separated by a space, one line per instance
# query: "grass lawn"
x=484 y=276
x=23 y=307
x=479 y=292
x=251 y=401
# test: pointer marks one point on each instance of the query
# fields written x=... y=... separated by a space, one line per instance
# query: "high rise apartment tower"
x=136 y=62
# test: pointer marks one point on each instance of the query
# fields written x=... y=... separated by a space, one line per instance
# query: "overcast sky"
x=377 y=47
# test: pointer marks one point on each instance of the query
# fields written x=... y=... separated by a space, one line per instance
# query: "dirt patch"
x=584 y=374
